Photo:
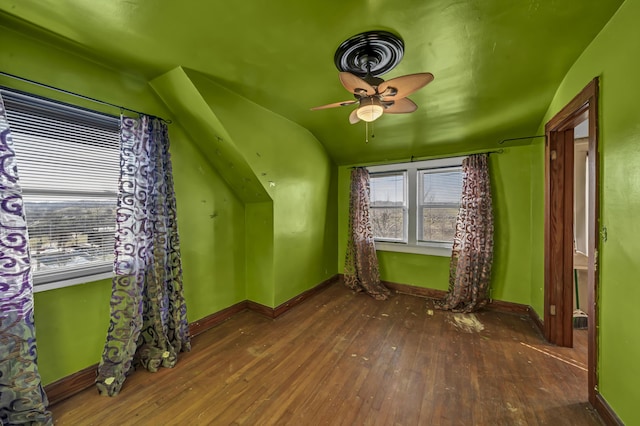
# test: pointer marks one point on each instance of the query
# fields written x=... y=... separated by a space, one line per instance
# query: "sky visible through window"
x=387 y=188
x=442 y=187
x=68 y=163
x=416 y=204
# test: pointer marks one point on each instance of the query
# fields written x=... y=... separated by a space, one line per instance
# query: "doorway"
x=571 y=223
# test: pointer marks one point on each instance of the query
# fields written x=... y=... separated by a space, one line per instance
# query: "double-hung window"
x=389 y=206
x=413 y=206
x=439 y=192
x=68 y=165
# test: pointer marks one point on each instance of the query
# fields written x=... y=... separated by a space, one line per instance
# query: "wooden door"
x=558 y=321
x=558 y=246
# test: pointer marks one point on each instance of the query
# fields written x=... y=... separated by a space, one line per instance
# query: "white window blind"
x=438 y=203
x=414 y=205
x=68 y=164
x=388 y=206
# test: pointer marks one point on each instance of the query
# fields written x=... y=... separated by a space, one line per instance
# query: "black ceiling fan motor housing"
x=371 y=53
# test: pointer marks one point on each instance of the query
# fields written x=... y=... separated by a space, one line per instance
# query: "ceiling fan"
x=361 y=59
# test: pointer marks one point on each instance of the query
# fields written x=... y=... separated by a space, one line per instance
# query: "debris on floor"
x=469 y=323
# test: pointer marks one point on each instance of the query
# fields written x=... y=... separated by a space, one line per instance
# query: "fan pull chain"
x=366 y=132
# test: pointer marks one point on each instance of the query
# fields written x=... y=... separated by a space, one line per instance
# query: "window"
x=414 y=205
x=68 y=163
x=438 y=203
x=388 y=202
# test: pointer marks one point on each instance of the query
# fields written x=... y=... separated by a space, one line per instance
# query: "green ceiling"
x=497 y=63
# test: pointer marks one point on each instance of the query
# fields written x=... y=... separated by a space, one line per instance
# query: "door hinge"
x=552 y=309
x=595 y=260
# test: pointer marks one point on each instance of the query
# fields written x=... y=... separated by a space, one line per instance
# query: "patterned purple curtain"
x=472 y=255
x=361 y=266
x=148 y=312
x=22 y=398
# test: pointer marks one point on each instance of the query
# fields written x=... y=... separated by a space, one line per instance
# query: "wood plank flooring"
x=345 y=359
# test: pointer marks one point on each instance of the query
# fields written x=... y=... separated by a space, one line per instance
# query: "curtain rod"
x=518 y=139
x=77 y=95
x=437 y=157
x=495 y=151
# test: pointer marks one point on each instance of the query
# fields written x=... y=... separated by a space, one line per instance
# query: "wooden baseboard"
x=286 y=306
x=261 y=309
x=71 y=385
x=83 y=379
x=430 y=293
x=508 y=307
x=536 y=320
x=411 y=290
x=216 y=318
x=607 y=414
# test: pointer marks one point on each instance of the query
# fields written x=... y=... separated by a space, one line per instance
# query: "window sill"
x=430 y=250
x=72 y=281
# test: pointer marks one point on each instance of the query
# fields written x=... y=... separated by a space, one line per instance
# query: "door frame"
x=558 y=245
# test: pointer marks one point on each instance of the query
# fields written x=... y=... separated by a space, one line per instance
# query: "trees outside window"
x=415 y=205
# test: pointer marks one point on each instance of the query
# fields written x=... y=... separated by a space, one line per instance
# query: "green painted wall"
x=613 y=55
x=414 y=269
x=511 y=202
x=260 y=286
x=209 y=134
x=212 y=231
x=537 y=224
x=72 y=322
x=71 y=327
x=190 y=106
x=278 y=244
x=510 y=179
x=288 y=243
x=296 y=171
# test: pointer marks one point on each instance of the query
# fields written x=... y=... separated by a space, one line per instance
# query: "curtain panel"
x=361 y=271
x=472 y=253
x=22 y=397
x=148 y=313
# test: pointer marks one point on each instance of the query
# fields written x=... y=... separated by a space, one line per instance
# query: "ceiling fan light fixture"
x=370 y=109
x=361 y=60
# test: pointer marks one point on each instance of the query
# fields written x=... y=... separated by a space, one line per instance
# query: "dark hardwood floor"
x=345 y=359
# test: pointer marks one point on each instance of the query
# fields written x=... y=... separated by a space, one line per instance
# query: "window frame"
x=412 y=169
x=96 y=271
x=404 y=207
x=420 y=206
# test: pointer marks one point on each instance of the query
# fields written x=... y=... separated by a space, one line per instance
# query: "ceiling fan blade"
x=353 y=117
x=401 y=106
x=400 y=87
x=334 y=105
x=356 y=85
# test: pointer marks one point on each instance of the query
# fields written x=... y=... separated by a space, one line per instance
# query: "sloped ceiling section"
x=186 y=102
x=497 y=63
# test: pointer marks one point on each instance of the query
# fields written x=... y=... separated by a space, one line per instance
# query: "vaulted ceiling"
x=497 y=63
